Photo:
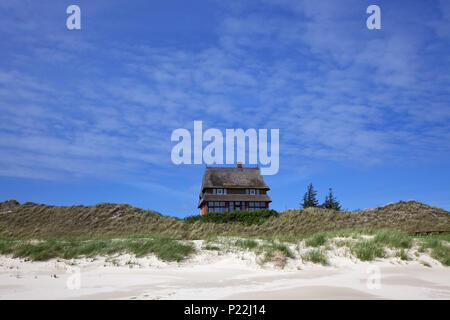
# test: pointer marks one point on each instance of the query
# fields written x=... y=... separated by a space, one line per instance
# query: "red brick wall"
x=204 y=209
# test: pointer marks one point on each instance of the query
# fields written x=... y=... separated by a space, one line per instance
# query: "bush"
x=245 y=217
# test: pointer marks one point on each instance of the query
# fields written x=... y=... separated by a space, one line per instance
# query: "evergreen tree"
x=331 y=202
x=309 y=199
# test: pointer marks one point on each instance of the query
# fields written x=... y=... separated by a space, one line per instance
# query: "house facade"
x=228 y=189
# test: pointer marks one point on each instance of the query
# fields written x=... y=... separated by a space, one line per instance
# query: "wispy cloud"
x=90 y=104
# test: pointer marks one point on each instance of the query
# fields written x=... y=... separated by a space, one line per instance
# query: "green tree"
x=331 y=202
x=309 y=199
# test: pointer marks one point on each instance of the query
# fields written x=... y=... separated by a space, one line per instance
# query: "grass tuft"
x=316 y=240
x=246 y=244
x=402 y=254
x=316 y=256
x=368 y=250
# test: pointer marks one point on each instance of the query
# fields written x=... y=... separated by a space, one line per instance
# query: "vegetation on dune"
x=316 y=240
x=393 y=239
x=272 y=246
x=211 y=247
x=163 y=247
x=440 y=250
x=249 y=244
x=245 y=217
x=368 y=250
x=275 y=252
x=403 y=254
x=364 y=244
x=32 y=220
x=315 y=256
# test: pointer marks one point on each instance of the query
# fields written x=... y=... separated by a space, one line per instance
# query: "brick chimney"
x=239 y=164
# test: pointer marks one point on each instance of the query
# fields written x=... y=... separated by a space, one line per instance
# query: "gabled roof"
x=232 y=177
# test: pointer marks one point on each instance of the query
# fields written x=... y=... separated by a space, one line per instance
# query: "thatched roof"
x=231 y=177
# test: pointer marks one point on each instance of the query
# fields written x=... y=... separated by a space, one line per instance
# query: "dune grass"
x=271 y=246
x=393 y=239
x=315 y=256
x=211 y=247
x=368 y=250
x=366 y=244
x=249 y=244
x=440 y=249
x=276 y=253
x=402 y=254
x=113 y=220
x=165 y=248
x=316 y=240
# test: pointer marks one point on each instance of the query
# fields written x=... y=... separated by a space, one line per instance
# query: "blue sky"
x=86 y=115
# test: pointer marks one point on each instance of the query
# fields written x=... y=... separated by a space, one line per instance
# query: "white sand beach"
x=214 y=275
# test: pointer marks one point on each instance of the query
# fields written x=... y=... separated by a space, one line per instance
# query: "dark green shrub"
x=246 y=217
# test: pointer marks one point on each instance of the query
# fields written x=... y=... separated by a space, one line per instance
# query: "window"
x=236 y=206
x=216 y=206
x=252 y=191
x=256 y=205
x=219 y=191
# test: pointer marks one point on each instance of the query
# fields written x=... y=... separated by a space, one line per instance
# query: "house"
x=228 y=189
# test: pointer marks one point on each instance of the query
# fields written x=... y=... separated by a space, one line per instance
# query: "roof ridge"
x=232 y=167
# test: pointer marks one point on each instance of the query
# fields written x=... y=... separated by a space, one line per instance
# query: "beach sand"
x=210 y=275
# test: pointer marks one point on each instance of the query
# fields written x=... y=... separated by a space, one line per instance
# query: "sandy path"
x=223 y=277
